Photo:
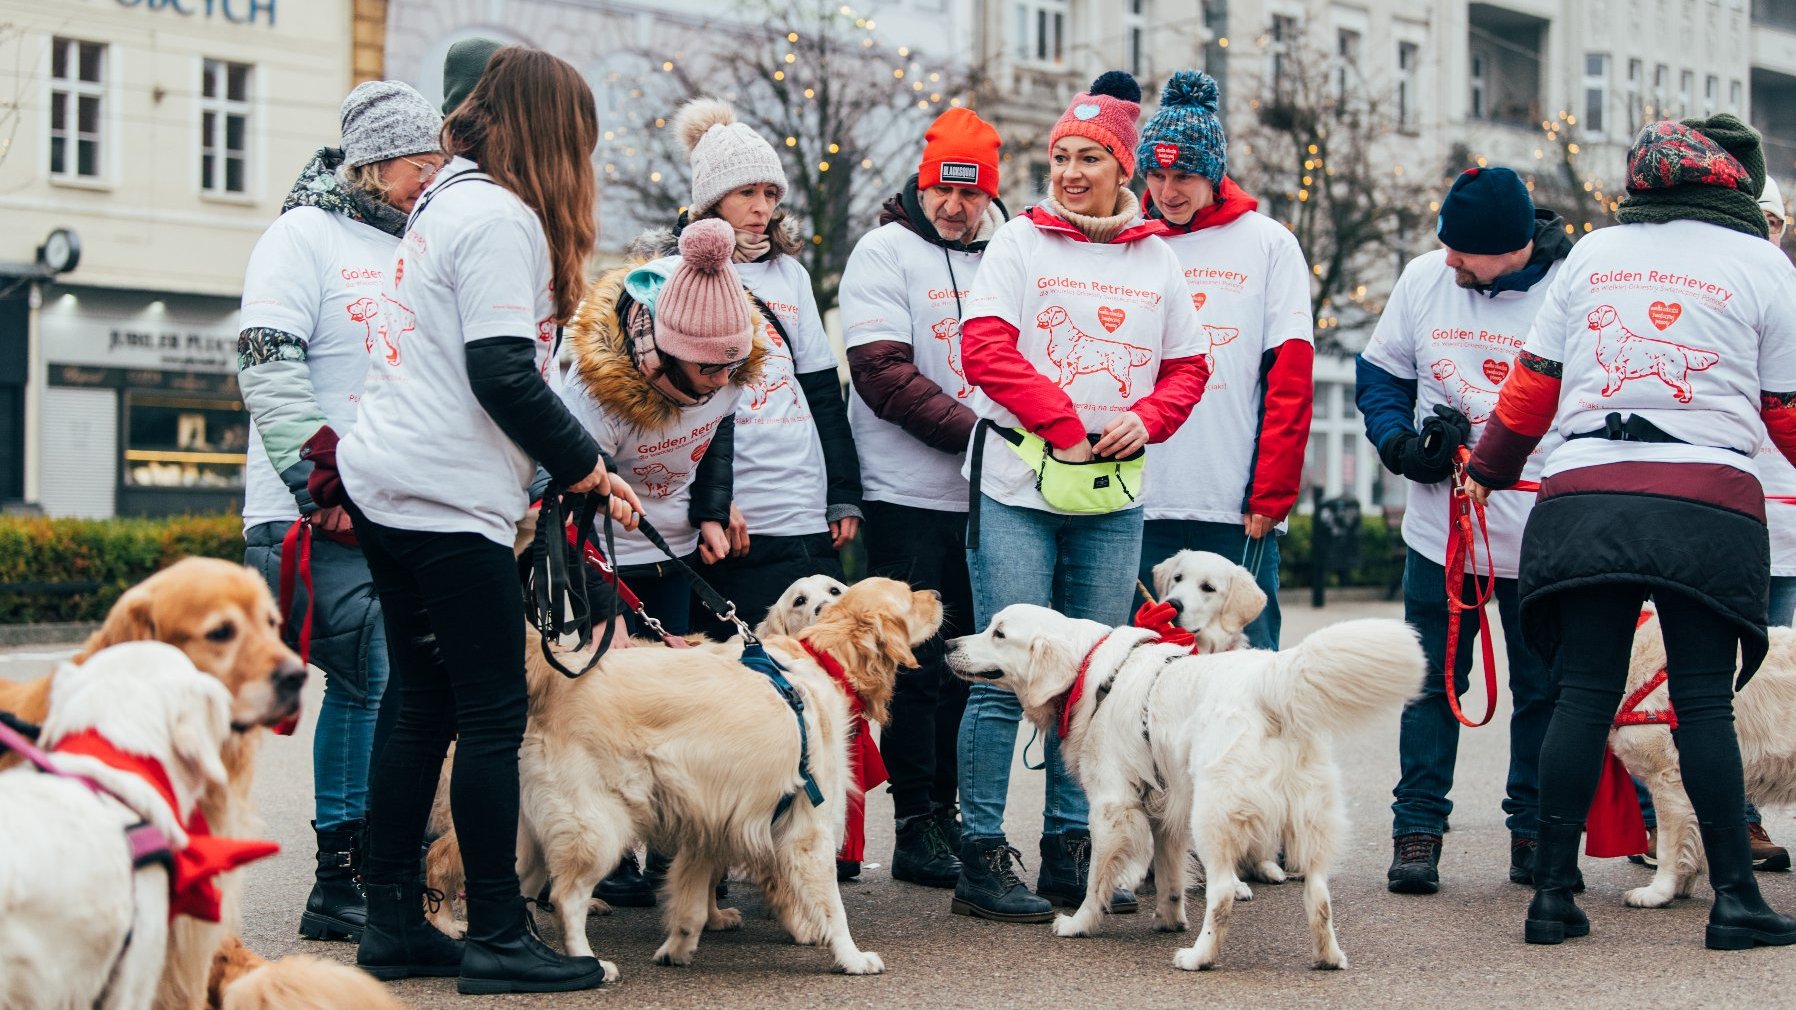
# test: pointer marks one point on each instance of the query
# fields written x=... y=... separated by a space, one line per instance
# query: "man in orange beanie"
x=901 y=303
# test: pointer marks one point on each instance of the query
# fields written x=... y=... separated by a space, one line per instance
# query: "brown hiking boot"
x=1767 y=856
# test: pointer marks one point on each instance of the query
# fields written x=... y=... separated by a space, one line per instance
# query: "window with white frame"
x=1041 y=31
x=1636 y=100
x=1596 y=93
x=1686 y=92
x=1345 y=79
x=1409 y=56
x=1736 y=98
x=77 y=106
x=1661 y=91
x=224 y=127
x=1711 y=94
x=1283 y=52
x=1135 y=37
x=1479 y=73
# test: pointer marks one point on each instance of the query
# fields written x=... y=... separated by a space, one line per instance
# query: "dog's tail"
x=1701 y=360
x=1346 y=674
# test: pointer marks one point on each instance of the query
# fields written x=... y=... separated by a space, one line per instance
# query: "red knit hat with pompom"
x=1106 y=114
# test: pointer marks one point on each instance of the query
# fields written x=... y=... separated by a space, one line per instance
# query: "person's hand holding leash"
x=1257 y=526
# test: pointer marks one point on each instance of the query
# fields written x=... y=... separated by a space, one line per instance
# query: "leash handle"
x=555 y=597
x=1463 y=511
x=1255 y=548
x=296 y=566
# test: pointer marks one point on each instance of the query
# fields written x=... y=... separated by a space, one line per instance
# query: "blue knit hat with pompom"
x=1185 y=135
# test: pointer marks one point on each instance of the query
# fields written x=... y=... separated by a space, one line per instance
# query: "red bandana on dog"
x=864 y=762
x=1158 y=618
x=192 y=889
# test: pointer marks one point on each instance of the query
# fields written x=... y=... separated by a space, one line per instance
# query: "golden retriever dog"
x=800 y=605
x=1764 y=714
x=1214 y=598
x=79 y=926
x=223 y=617
x=1228 y=753
x=694 y=753
x=299 y=982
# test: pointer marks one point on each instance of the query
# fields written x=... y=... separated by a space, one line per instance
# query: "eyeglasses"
x=427 y=170
x=725 y=366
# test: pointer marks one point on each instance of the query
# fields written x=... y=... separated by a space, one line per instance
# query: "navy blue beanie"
x=1488 y=212
x=1185 y=135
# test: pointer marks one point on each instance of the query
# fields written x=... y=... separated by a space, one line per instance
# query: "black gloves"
x=1427 y=458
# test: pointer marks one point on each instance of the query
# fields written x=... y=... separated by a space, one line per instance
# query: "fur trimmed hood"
x=602 y=361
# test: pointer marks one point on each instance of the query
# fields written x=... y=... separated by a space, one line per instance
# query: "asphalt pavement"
x=1461 y=947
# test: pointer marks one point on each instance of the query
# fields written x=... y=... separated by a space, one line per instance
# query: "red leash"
x=296 y=565
x=1465 y=524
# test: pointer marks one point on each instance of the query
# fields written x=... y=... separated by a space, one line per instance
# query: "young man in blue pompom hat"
x=1427 y=384
x=1226 y=481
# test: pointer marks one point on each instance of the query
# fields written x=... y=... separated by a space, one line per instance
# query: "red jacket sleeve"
x=1177 y=389
x=989 y=355
x=1284 y=430
x=886 y=376
x=1779 y=413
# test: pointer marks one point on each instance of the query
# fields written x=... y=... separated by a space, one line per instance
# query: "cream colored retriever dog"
x=1765 y=722
x=78 y=926
x=800 y=605
x=1229 y=753
x=693 y=752
x=1215 y=598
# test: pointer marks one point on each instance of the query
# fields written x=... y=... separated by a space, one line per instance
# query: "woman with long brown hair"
x=454 y=418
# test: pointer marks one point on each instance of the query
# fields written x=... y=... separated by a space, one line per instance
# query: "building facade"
x=157 y=137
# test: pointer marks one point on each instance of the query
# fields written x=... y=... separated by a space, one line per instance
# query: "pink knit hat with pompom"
x=1106 y=114
x=701 y=315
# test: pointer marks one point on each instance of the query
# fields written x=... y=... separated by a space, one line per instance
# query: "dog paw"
x=1068 y=925
x=1163 y=924
x=865 y=963
x=1242 y=891
x=454 y=929
x=598 y=906
x=1194 y=959
x=1269 y=872
x=1333 y=960
x=667 y=958
x=1646 y=897
x=611 y=972
x=724 y=920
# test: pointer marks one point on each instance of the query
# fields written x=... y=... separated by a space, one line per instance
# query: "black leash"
x=554 y=576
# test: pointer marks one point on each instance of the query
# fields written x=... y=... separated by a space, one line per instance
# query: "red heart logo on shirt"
x=1663 y=314
x=1496 y=371
x=1198 y=300
x=1110 y=318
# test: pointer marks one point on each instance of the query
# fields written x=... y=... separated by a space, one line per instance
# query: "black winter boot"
x=626 y=886
x=1415 y=864
x=1739 y=919
x=504 y=954
x=1553 y=915
x=1065 y=865
x=989 y=887
x=923 y=854
x=1521 y=862
x=948 y=818
x=397 y=942
x=336 y=909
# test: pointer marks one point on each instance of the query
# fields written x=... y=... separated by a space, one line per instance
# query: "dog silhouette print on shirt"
x=948 y=331
x=1463 y=395
x=1627 y=355
x=1078 y=353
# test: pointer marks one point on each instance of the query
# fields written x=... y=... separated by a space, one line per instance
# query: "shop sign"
x=242 y=12
x=102 y=330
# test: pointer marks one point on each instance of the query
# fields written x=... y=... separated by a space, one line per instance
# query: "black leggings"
x=1700 y=648
x=455 y=633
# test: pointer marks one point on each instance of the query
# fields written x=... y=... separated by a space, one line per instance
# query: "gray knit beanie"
x=726 y=155
x=387 y=119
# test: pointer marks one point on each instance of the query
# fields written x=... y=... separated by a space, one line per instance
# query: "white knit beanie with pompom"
x=726 y=155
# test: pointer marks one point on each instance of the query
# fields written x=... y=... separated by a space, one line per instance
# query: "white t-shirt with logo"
x=1682 y=323
x=318 y=276
x=1459 y=346
x=1779 y=480
x=658 y=465
x=424 y=455
x=1097 y=318
x=900 y=286
x=1251 y=290
x=781 y=486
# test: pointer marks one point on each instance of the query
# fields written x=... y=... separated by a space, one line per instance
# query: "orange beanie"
x=960 y=149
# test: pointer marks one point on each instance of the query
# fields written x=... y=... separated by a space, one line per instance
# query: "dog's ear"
x=1163 y=577
x=1244 y=602
x=200 y=728
x=1051 y=672
x=128 y=621
x=894 y=640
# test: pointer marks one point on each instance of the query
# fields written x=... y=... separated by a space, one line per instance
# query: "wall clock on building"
x=61 y=251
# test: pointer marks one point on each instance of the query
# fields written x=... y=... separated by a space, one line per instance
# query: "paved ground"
x=1460 y=947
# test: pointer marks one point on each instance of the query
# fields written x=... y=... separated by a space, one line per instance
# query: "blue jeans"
x=1162 y=538
x=1082 y=566
x=343 y=742
x=1429 y=742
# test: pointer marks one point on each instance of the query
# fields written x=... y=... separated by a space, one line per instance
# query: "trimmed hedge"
x=38 y=554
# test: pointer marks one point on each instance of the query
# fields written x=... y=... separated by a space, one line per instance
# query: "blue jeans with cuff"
x=1428 y=744
x=1162 y=538
x=1080 y=565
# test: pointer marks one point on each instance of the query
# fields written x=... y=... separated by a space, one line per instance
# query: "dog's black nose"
x=289 y=679
x=1177 y=606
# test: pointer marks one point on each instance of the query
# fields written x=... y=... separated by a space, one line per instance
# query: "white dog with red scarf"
x=1227 y=753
